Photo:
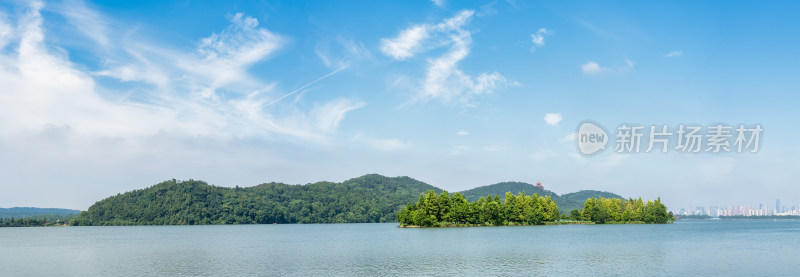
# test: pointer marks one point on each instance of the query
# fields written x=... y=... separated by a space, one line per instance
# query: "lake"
x=701 y=247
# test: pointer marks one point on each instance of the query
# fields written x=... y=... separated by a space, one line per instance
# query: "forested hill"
x=370 y=198
x=575 y=200
x=566 y=202
x=501 y=189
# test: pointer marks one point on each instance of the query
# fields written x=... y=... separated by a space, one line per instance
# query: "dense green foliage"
x=604 y=210
x=566 y=202
x=370 y=198
x=23 y=212
x=444 y=210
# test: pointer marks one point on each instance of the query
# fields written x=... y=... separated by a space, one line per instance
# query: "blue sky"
x=99 y=98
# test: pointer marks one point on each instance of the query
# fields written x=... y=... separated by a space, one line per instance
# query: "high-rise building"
x=777 y=205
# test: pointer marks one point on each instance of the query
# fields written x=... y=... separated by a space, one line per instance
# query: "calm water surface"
x=696 y=248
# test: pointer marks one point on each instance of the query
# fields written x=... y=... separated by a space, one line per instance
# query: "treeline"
x=367 y=199
x=566 y=202
x=35 y=221
x=604 y=210
x=445 y=210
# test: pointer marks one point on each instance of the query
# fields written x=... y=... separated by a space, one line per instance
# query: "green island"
x=445 y=210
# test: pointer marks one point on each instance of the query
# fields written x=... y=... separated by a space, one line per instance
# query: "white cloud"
x=226 y=55
x=462 y=133
x=133 y=73
x=242 y=41
x=444 y=80
x=673 y=54
x=405 y=44
x=552 y=118
x=538 y=38
x=592 y=68
x=46 y=89
x=438 y=3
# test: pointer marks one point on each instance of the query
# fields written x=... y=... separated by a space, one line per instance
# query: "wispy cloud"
x=444 y=80
x=462 y=133
x=6 y=31
x=673 y=54
x=305 y=86
x=538 y=38
x=552 y=119
x=46 y=89
x=342 y=53
x=628 y=65
x=438 y=3
x=329 y=115
x=406 y=44
x=86 y=20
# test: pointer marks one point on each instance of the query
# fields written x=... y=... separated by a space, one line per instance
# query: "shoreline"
x=503 y=225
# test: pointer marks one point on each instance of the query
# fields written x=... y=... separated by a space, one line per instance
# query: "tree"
x=575 y=214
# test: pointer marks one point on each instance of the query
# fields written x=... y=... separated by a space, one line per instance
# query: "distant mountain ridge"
x=369 y=198
x=503 y=187
x=23 y=212
x=566 y=202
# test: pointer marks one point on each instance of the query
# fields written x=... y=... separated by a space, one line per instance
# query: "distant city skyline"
x=103 y=97
x=743 y=210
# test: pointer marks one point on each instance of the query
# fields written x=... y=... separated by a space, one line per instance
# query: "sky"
x=100 y=98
